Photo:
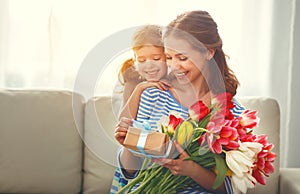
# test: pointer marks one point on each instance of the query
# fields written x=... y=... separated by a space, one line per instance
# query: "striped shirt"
x=153 y=105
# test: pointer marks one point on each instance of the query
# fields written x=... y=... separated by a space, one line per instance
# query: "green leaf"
x=176 y=133
x=221 y=171
x=205 y=120
x=203 y=149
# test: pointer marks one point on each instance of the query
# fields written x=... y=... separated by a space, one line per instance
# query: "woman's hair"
x=204 y=29
x=146 y=35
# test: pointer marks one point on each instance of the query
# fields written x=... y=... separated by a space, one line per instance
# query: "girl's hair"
x=127 y=72
x=204 y=29
x=146 y=35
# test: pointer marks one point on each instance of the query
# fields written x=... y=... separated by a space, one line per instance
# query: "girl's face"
x=151 y=62
x=187 y=64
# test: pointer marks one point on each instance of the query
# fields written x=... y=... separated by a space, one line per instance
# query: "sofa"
x=56 y=141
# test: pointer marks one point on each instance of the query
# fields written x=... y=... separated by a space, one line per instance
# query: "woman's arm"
x=197 y=173
x=128 y=161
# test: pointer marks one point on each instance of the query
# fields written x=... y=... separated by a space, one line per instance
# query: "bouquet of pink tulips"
x=216 y=140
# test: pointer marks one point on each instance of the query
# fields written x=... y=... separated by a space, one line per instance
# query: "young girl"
x=194 y=52
x=147 y=69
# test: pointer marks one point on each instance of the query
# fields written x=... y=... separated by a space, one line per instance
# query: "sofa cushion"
x=289 y=180
x=268 y=112
x=40 y=145
x=100 y=152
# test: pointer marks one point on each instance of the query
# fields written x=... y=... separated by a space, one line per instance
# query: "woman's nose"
x=174 y=64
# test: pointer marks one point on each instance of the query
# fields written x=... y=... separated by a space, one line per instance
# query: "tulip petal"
x=269 y=168
x=258 y=176
x=233 y=164
x=232 y=145
x=240 y=184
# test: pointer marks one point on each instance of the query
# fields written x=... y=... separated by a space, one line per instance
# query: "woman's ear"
x=211 y=53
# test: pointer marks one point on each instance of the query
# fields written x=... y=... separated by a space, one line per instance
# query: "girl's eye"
x=156 y=58
x=141 y=60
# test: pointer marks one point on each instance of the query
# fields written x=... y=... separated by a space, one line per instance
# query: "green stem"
x=155 y=181
x=183 y=181
x=172 y=183
x=166 y=180
x=144 y=183
x=136 y=179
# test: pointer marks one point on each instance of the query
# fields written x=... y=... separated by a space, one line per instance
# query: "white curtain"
x=43 y=43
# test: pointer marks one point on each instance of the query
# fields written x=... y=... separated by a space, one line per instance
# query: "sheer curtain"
x=46 y=41
x=43 y=43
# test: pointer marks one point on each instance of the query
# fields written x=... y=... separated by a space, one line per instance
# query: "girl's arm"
x=129 y=87
x=131 y=107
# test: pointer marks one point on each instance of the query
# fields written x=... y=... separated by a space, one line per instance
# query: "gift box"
x=148 y=143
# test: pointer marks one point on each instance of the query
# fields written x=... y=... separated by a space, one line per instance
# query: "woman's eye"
x=168 y=57
x=156 y=58
x=182 y=58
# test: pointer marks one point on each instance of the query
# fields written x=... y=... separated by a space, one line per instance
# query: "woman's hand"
x=121 y=129
x=191 y=169
x=178 y=166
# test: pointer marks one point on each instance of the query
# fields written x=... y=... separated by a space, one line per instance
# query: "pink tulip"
x=216 y=147
x=262 y=139
x=224 y=135
x=248 y=119
x=269 y=168
x=265 y=158
x=224 y=102
x=198 y=111
x=233 y=145
x=223 y=99
x=271 y=157
x=259 y=176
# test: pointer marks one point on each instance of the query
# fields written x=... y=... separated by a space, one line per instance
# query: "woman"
x=194 y=53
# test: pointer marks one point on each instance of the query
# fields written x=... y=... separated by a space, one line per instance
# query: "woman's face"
x=151 y=62
x=186 y=63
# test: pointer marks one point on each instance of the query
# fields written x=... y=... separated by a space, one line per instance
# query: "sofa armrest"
x=289 y=180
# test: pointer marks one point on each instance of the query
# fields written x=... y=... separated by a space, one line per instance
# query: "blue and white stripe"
x=155 y=103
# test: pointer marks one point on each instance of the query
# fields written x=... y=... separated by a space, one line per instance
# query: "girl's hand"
x=178 y=166
x=121 y=129
x=161 y=85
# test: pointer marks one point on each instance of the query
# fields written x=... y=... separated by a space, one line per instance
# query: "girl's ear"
x=211 y=53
